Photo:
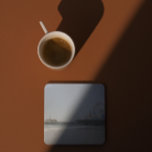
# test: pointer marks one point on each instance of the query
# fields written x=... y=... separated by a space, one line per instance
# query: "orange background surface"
x=118 y=53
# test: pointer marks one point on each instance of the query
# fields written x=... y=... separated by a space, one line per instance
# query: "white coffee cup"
x=52 y=35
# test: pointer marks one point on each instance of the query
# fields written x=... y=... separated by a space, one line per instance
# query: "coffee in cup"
x=56 y=50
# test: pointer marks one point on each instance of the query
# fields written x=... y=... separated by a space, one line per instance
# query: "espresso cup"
x=56 y=49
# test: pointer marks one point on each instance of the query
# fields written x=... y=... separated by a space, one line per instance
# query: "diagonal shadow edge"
x=101 y=77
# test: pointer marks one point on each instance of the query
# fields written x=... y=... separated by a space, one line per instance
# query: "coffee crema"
x=56 y=52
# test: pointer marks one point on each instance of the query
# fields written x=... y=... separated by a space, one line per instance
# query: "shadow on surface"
x=80 y=17
x=128 y=77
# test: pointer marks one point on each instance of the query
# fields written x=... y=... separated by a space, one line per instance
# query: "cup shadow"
x=80 y=18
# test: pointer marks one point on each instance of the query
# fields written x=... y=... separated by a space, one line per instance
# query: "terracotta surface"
x=118 y=53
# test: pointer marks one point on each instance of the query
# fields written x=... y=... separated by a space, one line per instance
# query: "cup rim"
x=71 y=44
